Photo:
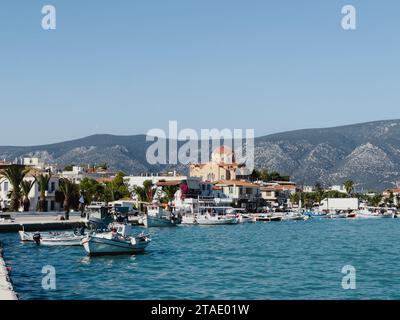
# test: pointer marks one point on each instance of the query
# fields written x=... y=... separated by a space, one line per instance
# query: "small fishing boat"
x=117 y=241
x=352 y=215
x=388 y=215
x=294 y=216
x=367 y=216
x=73 y=240
x=311 y=214
x=269 y=218
x=53 y=238
x=25 y=236
x=210 y=219
x=263 y=218
x=157 y=216
x=249 y=218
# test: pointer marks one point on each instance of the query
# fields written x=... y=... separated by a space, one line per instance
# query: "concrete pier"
x=6 y=288
x=40 y=222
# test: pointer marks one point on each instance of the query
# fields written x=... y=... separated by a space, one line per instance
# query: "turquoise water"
x=278 y=260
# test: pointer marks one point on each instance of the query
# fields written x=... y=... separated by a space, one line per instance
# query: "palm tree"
x=294 y=198
x=15 y=174
x=397 y=201
x=145 y=193
x=170 y=191
x=26 y=187
x=43 y=182
x=349 y=186
x=375 y=200
x=68 y=189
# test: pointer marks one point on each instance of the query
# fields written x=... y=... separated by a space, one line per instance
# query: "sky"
x=127 y=66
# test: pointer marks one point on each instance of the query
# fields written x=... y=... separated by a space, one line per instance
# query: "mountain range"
x=367 y=153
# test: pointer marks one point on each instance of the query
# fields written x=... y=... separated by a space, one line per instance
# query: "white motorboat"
x=52 y=239
x=268 y=217
x=294 y=216
x=248 y=218
x=388 y=214
x=58 y=241
x=25 y=236
x=209 y=219
x=116 y=241
x=367 y=214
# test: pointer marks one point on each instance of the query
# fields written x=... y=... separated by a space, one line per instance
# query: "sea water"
x=274 y=260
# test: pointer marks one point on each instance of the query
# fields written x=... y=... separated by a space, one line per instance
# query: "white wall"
x=339 y=204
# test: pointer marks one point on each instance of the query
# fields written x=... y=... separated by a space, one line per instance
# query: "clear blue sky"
x=127 y=66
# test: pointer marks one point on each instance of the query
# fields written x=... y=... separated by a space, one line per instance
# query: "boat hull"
x=101 y=246
x=210 y=222
x=76 y=241
x=206 y=221
x=156 y=222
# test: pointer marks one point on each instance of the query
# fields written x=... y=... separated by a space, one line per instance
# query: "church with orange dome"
x=223 y=166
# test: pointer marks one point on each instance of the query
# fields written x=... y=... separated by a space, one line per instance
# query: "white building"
x=34 y=195
x=137 y=181
x=339 y=188
x=76 y=175
x=339 y=204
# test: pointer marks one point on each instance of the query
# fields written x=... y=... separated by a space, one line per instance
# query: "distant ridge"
x=368 y=153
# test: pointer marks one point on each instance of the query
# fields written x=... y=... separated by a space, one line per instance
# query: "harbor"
x=162 y=235
x=264 y=260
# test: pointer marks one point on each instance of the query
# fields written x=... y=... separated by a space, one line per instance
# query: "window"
x=53 y=187
x=6 y=186
x=52 y=206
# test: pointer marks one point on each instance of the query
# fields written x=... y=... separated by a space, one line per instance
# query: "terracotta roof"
x=396 y=190
x=237 y=183
x=103 y=180
x=169 y=183
x=279 y=187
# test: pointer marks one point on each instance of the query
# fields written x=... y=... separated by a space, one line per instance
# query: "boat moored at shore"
x=117 y=241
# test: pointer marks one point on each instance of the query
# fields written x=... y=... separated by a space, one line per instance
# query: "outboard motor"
x=37 y=237
x=79 y=231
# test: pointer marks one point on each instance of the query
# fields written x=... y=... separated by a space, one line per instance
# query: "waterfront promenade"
x=40 y=222
x=6 y=288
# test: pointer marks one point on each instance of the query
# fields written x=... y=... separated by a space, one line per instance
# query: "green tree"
x=170 y=191
x=103 y=166
x=255 y=175
x=295 y=198
x=389 y=201
x=15 y=175
x=349 y=186
x=375 y=200
x=397 y=201
x=69 y=167
x=145 y=193
x=43 y=183
x=70 y=192
x=116 y=189
x=92 y=190
x=26 y=187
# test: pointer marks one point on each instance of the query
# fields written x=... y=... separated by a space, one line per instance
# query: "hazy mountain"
x=368 y=153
